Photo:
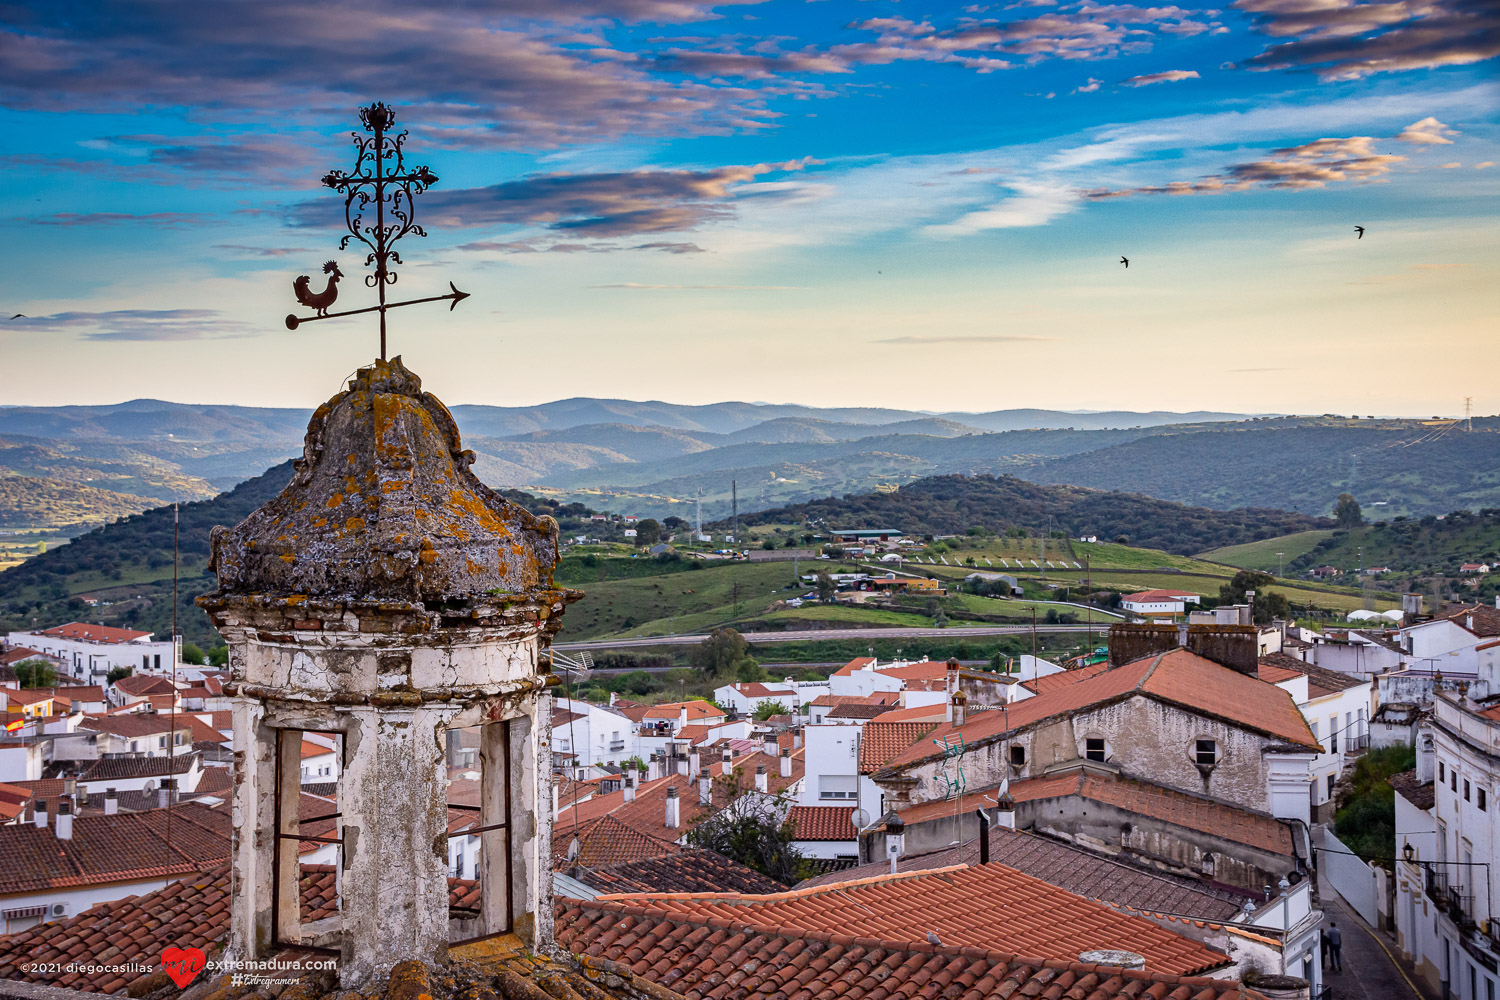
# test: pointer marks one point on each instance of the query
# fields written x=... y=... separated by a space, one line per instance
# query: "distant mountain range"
x=652 y=458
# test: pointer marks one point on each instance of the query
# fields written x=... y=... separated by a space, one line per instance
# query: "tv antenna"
x=380 y=179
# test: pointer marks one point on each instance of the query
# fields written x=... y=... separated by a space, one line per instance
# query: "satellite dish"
x=860 y=819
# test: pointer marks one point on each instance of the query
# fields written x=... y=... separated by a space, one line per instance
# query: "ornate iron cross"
x=380 y=181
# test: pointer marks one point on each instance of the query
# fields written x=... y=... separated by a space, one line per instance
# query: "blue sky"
x=872 y=202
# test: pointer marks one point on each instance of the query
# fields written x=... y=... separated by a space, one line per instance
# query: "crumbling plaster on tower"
x=387 y=595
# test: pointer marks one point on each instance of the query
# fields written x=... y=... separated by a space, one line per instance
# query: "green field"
x=1269 y=554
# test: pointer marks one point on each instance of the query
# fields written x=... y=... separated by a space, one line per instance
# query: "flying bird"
x=1361 y=231
x=1125 y=261
x=319 y=300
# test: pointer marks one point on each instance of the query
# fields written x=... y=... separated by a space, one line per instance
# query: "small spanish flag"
x=11 y=727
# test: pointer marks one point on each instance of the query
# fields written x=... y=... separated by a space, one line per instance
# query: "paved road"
x=1369 y=971
x=826 y=634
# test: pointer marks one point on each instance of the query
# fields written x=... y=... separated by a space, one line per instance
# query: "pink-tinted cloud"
x=1168 y=76
x=1350 y=39
x=1313 y=164
x=1428 y=132
x=599 y=205
x=136 y=324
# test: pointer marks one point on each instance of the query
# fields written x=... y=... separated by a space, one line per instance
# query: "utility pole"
x=1280 y=569
x=1469 y=411
x=1088 y=577
x=734 y=509
x=1033 y=634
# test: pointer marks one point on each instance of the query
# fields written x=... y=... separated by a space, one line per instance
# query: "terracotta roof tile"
x=688 y=870
x=821 y=823
x=1074 y=869
x=1422 y=794
x=1182 y=678
x=992 y=909
x=697 y=711
x=94 y=633
x=1320 y=680
x=882 y=741
x=1226 y=822
x=1048 y=683
x=110 y=849
x=856 y=664
x=110 y=768
x=137 y=685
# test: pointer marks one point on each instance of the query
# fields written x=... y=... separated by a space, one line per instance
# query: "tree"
x=120 y=673
x=647 y=532
x=826 y=587
x=191 y=654
x=721 y=653
x=1269 y=604
x=36 y=673
x=748 y=671
x=218 y=656
x=766 y=709
x=768 y=545
x=753 y=837
x=1346 y=512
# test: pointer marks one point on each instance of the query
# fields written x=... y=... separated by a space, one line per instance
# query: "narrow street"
x=1370 y=971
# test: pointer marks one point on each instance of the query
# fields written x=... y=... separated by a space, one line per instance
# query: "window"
x=1442 y=774
x=158 y=661
x=838 y=786
x=1483 y=803
x=145 y=662
x=1093 y=748
x=1313 y=725
x=1206 y=753
x=1466 y=789
x=1018 y=757
x=1453 y=781
x=1330 y=786
x=161 y=742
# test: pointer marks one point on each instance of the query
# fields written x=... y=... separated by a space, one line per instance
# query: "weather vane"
x=380 y=181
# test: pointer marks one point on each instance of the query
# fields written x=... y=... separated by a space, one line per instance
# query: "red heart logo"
x=183 y=964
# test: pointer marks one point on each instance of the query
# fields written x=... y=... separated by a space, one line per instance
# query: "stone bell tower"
x=383 y=599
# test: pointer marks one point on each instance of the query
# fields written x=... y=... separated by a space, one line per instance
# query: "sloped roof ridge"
x=619 y=904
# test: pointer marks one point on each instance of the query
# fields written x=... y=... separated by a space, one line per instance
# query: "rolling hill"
x=954 y=504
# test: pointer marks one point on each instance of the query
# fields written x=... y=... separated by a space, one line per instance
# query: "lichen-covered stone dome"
x=383 y=507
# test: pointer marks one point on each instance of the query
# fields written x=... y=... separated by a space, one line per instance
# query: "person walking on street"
x=1335 y=943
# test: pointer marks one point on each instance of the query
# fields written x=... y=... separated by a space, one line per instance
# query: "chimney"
x=762 y=784
x=629 y=786
x=166 y=794
x=64 y=828
x=674 y=809
x=984 y=837
x=651 y=768
x=1247 y=613
x=111 y=802
x=786 y=762
x=705 y=788
x=1005 y=810
x=727 y=761
x=692 y=762
x=772 y=747
x=797 y=740
x=41 y=814
x=952 y=675
x=960 y=713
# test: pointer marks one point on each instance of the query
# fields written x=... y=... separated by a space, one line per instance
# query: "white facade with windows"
x=90 y=661
x=597 y=736
x=832 y=771
x=1447 y=914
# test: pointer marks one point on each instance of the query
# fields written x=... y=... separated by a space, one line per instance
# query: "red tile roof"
x=1147 y=596
x=856 y=664
x=857 y=711
x=755 y=689
x=1217 y=819
x=990 y=907
x=609 y=841
x=697 y=711
x=921 y=713
x=1320 y=680
x=688 y=870
x=1074 y=869
x=821 y=823
x=1048 y=683
x=110 y=849
x=1486 y=621
x=139 y=685
x=134 y=725
x=94 y=633
x=878 y=698
x=1179 y=677
x=111 y=768
x=18 y=653
x=882 y=741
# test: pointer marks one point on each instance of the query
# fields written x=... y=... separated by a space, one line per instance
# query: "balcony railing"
x=1361 y=742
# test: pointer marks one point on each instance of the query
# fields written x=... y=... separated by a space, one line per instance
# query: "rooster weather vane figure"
x=382 y=183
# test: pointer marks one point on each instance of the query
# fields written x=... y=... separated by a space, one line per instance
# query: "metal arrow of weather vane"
x=382 y=183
